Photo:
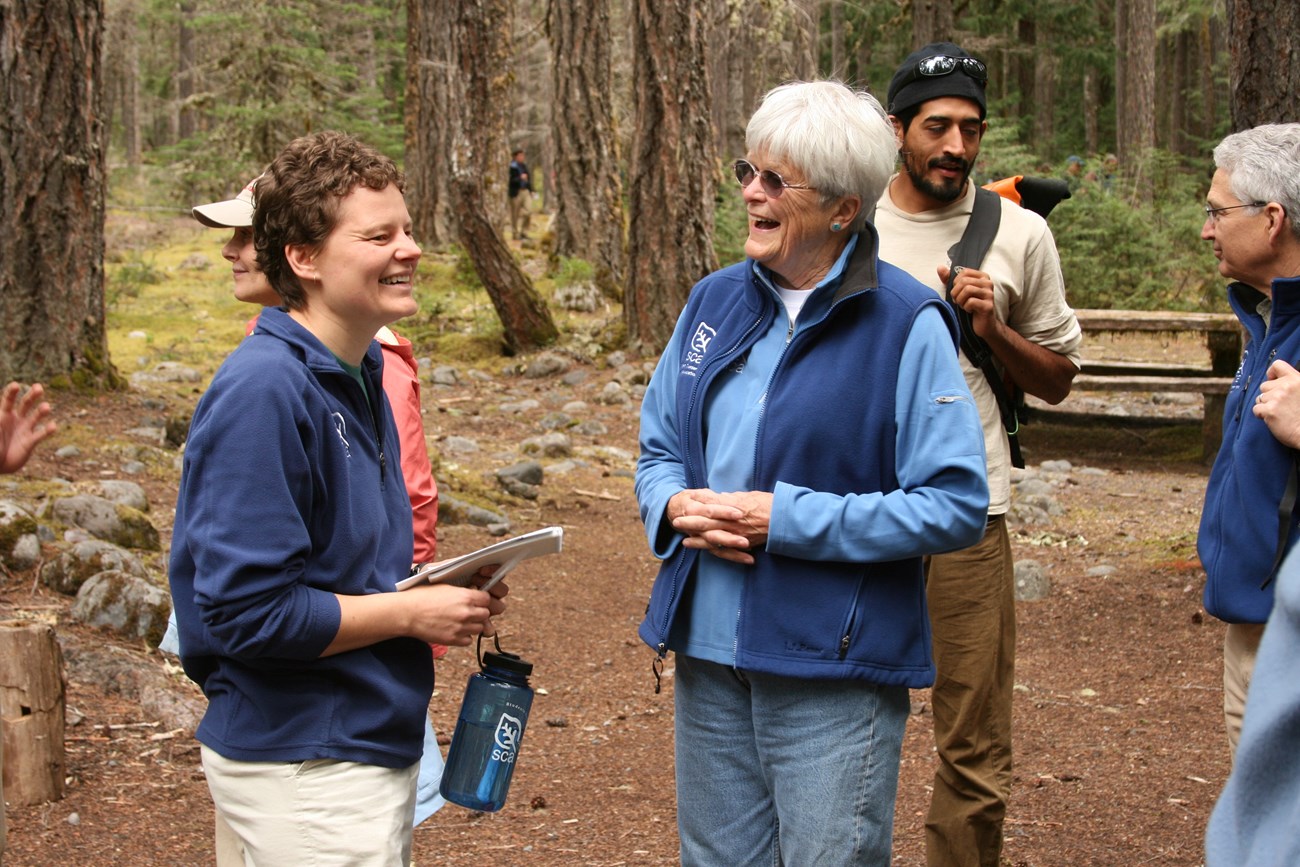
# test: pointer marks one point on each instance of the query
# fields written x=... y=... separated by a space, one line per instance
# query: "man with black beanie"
x=1016 y=302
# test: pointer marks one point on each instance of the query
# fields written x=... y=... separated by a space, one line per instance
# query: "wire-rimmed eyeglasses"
x=1212 y=214
x=773 y=184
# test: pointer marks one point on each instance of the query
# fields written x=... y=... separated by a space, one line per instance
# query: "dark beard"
x=947 y=191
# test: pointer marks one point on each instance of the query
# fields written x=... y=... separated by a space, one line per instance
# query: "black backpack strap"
x=969 y=252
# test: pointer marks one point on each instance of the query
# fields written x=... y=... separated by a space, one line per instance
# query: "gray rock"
x=612 y=394
x=520 y=489
x=575 y=407
x=1034 y=487
x=125 y=493
x=67 y=571
x=1032 y=583
x=574 y=377
x=551 y=445
x=121 y=525
x=26 y=552
x=581 y=296
x=1101 y=571
x=611 y=455
x=444 y=374
x=16 y=524
x=479 y=375
x=555 y=421
x=631 y=374
x=547 y=364
x=1056 y=466
x=528 y=472
x=519 y=406
x=155 y=436
x=561 y=467
x=616 y=359
x=133 y=468
x=592 y=428
x=127 y=604
x=167 y=371
x=68 y=452
x=459 y=445
x=454 y=511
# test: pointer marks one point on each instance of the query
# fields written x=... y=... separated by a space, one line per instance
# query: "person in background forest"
x=520 y=191
x=292 y=530
x=22 y=425
x=806 y=439
x=1016 y=303
x=1249 y=520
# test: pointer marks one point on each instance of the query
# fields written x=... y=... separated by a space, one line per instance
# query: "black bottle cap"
x=507 y=662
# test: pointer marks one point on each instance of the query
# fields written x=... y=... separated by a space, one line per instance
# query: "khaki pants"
x=1240 y=644
x=971 y=597
x=520 y=212
x=319 y=812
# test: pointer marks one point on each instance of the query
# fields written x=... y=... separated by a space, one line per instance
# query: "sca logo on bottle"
x=507 y=738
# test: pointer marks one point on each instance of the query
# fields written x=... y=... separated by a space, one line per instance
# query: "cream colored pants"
x=321 y=812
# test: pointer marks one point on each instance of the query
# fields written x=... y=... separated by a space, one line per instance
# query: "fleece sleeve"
x=942 y=498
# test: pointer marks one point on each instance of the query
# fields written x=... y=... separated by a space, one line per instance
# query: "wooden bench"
x=1223 y=340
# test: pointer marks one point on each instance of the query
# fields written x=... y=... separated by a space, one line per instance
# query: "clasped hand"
x=728 y=526
x=972 y=291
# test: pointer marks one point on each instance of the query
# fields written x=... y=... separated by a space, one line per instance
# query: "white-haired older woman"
x=806 y=439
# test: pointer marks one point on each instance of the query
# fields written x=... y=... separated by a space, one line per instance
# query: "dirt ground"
x=1120 y=752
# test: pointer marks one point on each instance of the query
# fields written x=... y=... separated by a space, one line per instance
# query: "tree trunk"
x=32 y=712
x=932 y=21
x=52 y=194
x=484 y=58
x=588 y=192
x=1026 y=69
x=1090 y=107
x=839 y=58
x=478 y=70
x=1045 y=66
x=1135 y=72
x=1264 y=79
x=185 y=123
x=429 y=104
x=673 y=172
x=525 y=319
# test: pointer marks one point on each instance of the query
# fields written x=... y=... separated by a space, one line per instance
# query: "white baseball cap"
x=230 y=214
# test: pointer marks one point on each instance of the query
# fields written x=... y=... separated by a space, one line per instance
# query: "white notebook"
x=505 y=555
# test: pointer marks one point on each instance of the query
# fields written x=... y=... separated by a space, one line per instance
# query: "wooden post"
x=31 y=712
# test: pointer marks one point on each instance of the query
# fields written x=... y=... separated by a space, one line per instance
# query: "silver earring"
x=835 y=227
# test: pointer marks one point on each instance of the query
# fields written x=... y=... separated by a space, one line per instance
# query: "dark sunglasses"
x=942 y=64
x=773 y=184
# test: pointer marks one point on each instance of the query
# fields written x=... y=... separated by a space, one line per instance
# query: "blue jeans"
x=779 y=770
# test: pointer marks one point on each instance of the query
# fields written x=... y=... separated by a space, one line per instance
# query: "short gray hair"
x=1263 y=165
x=840 y=138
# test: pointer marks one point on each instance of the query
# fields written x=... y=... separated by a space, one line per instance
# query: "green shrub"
x=1138 y=246
x=574 y=272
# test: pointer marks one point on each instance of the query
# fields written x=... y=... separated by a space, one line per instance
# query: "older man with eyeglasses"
x=1249 y=521
x=1014 y=300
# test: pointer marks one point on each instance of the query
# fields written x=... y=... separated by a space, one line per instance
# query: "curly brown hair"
x=298 y=200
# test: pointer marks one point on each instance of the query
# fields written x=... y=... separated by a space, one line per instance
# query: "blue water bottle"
x=485 y=745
